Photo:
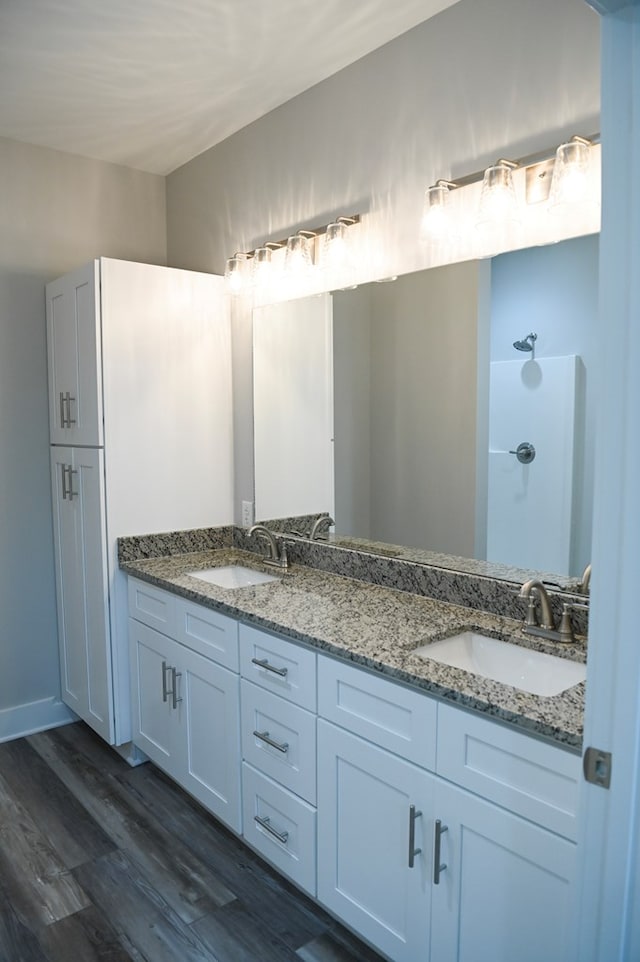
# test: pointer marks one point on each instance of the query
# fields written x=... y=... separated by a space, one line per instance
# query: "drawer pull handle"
x=263 y=663
x=438 y=866
x=413 y=851
x=279 y=746
x=264 y=823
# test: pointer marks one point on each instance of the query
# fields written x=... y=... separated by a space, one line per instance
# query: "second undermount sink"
x=523 y=668
x=233 y=576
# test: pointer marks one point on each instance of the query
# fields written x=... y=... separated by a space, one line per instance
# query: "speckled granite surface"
x=377 y=627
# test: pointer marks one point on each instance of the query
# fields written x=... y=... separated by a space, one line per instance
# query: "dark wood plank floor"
x=100 y=862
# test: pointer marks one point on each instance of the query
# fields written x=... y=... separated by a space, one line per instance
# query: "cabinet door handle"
x=263 y=663
x=165 y=690
x=264 y=822
x=63 y=420
x=174 y=691
x=70 y=420
x=413 y=851
x=438 y=866
x=71 y=494
x=63 y=471
x=280 y=746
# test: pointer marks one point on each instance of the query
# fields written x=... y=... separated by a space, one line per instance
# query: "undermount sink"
x=233 y=576
x=523 y=668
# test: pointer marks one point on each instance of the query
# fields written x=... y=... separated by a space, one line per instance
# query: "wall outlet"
x=247 y=514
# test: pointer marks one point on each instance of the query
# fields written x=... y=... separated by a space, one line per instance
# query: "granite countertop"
x=378 y=628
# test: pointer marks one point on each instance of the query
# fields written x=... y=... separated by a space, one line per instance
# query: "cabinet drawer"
x=394 y=717
x=152 y=606
x=292 y=759
x=208 y=632
x=281 y=827
x=279 y=666
x=527 y=776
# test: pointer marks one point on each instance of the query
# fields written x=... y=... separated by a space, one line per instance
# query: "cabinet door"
x=77 y=476
x=365 y=799
x=153 y=721
x=506 y=890
x=74 y=358
x=207 y=715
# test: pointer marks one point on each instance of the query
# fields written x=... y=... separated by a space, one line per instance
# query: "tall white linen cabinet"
x=140 y=413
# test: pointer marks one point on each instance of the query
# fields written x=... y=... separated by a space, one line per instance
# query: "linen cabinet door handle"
x=279 y=746
x=263 y=663
x=263 y=821
x=413 y=851
x=438 y=866
x=63 y=420
x=71 y=494
x=174 y=691
x=69 y=399
x=63 y=471
x=165 y=690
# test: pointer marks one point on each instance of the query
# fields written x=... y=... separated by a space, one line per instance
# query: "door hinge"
x=596 y=765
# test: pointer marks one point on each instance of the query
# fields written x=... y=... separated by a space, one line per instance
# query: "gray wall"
x=483 y=79
x=57 y=211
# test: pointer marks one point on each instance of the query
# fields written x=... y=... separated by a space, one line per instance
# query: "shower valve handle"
x=525 y=452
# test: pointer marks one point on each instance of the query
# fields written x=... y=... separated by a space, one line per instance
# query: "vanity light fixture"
x=436 y=216
x=570 y=180
x=498 y=202
x=256 y=267
x=567 y=167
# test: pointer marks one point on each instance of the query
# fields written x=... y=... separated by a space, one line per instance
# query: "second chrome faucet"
x=277 y=549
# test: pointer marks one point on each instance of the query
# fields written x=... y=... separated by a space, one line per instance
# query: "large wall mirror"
x=397 y=409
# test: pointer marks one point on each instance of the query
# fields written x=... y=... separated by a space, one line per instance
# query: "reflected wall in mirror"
x=396 y=407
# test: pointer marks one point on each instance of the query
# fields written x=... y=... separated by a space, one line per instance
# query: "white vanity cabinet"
x=400 y=776
x=279 y=753
x=375 y=807
x=185 y=705
x=506 y=890
x=139 y=369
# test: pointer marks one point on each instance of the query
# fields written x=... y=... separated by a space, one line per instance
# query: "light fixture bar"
x=347 y=219
x=538 y=157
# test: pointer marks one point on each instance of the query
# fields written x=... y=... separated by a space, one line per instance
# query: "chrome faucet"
x=318 y=524
x=277 y=550
x=533 y=591
x=583 y=586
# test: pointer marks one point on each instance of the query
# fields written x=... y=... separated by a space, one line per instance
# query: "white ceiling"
x=152 y=83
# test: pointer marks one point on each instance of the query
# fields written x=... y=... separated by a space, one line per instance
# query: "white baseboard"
x=35 y=716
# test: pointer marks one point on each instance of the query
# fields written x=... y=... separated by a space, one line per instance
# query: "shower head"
x=527 y=343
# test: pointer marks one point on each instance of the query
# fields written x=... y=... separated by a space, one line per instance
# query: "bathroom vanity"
x=431 y=810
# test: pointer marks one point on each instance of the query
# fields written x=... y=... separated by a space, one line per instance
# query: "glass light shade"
x=236 y=273
x=498 y=201
x=297 y=259
x=262 y=267
x=336 y=258
x=570 y=181
x=436 y=222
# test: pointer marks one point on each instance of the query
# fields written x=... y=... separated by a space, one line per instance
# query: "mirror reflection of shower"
x=527 y=344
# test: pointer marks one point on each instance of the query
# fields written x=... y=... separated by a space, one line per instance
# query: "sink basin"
x=233 y=576
x=532 y=671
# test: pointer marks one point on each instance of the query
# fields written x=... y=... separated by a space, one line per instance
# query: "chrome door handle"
x=71 y=494
x=70 y=420
x=63 y=422
x=279 y=746
x=174 y=691
x=165 y=690
x=63 y=471
x=413 y=851
x=438 y=866
x=264 y=822
x=263 y=663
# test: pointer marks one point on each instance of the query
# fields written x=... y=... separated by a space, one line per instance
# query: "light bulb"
x=570 y=181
